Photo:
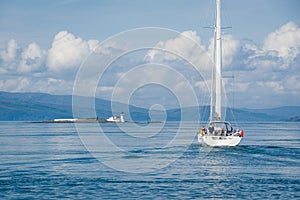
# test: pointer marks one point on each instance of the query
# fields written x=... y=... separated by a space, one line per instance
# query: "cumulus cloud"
x=53 y=85
x=292 y=84
x=262 y=72
x=9 y=56
x=265 y=71
x=186 y=46
x=68 y=51
x=15 y=84
x=285 y=41
x=93 y=44
x=32 y=58
x=16 y=60
x=279 y=51
x=154 y=76
x=31 y=84
x=270 y=73
x=230 y=47
x=32 y=68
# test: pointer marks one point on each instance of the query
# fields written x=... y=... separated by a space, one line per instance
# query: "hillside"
x=279 y=113
x=40 y=106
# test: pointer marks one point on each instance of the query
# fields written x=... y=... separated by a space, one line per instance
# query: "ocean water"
x=53 y=161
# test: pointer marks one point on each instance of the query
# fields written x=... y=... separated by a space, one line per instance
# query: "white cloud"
x=32 y=58
x=264 y=74
x=15 y=60
x=93 y=44
x=7 y=84
x=275 y=86
x=186 y=46
x=15 y=84
x=148 y=82
x=230 y=48
x=53 y=86
x=9 y=54
x=285 y=41
x=8 y=57
x=68 y=51
x=30 y=84
x=105 y=88
x=292 y=84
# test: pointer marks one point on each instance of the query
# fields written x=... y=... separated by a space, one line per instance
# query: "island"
x=112 y=119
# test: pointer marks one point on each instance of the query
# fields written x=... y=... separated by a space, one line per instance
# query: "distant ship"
x=112 y=119
x=116 y=119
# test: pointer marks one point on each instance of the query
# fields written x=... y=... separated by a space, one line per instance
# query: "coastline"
x=75 y=120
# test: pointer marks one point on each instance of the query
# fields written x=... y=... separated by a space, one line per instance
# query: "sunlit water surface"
x=49 y=161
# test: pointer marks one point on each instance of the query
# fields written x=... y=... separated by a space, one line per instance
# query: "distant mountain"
x=41 y=106
x=233 y=114
x=279 y=113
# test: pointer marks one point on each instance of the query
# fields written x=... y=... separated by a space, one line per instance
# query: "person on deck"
x=211 y=129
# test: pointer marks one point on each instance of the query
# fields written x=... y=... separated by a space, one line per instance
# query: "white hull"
x=200 y=138
x=116 y=119
x=216 y=141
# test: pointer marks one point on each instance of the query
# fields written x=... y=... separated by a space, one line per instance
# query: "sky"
x=45 y=43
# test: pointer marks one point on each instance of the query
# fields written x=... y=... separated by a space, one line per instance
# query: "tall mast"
x=218 y=62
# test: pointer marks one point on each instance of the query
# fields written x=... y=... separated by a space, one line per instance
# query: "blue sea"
x=63 y=161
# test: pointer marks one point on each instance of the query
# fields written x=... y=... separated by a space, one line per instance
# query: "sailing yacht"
x=218 y=132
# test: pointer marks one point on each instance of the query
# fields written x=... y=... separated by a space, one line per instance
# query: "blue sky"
x=29 y=60
x=33 y=20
